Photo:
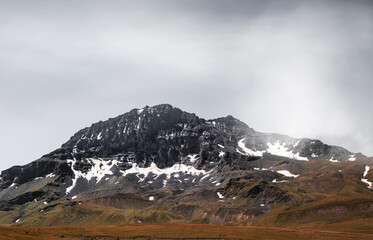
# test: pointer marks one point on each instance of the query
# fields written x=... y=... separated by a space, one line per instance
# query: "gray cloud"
x=301 y=68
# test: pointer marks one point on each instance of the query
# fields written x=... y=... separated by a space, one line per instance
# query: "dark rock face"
x=18 y=175
x=318 y=148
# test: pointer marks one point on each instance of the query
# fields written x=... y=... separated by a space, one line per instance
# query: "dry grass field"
x=171 y=231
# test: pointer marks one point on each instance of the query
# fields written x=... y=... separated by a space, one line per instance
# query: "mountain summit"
x=164 y=157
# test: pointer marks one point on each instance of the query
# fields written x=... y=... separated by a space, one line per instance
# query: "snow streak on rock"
x=287 y=173
x=365 y=180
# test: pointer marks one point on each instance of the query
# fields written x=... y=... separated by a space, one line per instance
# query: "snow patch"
x=333 y=160
x=193 y=157
x=99 y=169
x=221 y=146
x=220 y=195
x=260 y=169
x=352 y=158
x=246 y=150
x=151 y=198
x=280 y=150
x=99 y=136
x=367 y=182
x=275 y=181
x=221 y=154
x=296 y=144
x=366 y=171
x=17 y=220
x=73 y=197
x=45 y=202
x=174 y=170
x=287 y=173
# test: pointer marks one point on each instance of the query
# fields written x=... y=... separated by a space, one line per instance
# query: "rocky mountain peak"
x=164 y=158
x=158 y=146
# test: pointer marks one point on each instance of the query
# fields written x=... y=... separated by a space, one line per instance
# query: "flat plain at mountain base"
x=171 y=231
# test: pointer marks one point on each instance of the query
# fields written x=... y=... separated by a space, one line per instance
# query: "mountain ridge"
x=148 y=129
x=179 y=166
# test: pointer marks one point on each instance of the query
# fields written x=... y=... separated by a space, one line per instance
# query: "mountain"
x=161 y=164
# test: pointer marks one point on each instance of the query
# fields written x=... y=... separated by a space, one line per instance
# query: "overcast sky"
x=301 y=68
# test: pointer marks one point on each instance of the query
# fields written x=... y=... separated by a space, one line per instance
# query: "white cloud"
x=299 y=69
